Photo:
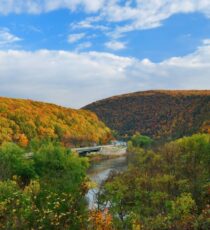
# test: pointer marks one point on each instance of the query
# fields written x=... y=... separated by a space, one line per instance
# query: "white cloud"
x=149 y=14
x=75 y=37
x=108 y=14
x=75 y=79
x=142 y=13
x=7 y=38
x=206 y=41
x=89 y=23
x=115 y=45
x=82 y=46
x=40 y=6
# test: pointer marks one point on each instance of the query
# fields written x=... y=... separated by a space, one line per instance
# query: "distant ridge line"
x=175 y=92
x=161 y=114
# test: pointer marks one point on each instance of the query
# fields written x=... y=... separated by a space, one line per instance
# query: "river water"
x=99 y=171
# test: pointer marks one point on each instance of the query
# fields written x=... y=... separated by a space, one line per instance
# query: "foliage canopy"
x=167 y=189
x=160 y=114
x=24 y=120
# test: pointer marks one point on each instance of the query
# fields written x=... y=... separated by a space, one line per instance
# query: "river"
x=99 y=171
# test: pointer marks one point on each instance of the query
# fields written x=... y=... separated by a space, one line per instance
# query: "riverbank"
x=99 y=157
x=108 y=153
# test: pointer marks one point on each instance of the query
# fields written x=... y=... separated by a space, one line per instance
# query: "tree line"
x=24 y=120
x=165 y=188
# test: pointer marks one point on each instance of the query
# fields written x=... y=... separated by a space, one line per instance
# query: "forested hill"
x=160 y=114
x=24 y=120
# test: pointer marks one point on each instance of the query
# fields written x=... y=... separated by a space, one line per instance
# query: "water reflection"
x=99 y=171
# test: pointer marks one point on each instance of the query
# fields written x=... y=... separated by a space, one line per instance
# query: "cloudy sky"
x=73 y=52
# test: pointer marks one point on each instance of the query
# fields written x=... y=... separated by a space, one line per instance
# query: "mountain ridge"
x=157 y=113
x=22 y=120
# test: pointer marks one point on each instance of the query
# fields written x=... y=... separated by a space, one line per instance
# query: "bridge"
x=85 y=150
x=102 y=149
x=113 y=149
x=82 y=151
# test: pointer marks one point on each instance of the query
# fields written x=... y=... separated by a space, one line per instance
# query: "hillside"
x=24 y=120
x=159 y=114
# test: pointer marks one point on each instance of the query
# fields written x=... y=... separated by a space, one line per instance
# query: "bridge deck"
x=87 y=149
x=102 y=149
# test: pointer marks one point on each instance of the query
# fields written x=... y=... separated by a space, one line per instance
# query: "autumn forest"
x=44 y=182
x=24 y=120
x=104 y=114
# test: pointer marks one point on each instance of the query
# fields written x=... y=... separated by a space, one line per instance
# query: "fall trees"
x=24 y=120
x=45 y=191
x=162 y=115
x=165 y=189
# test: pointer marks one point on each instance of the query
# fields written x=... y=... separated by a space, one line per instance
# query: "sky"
x=74 y=52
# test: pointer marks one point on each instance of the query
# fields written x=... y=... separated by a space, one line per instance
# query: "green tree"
x=13 y=162
x=45 y=191
x=141 y=141
x=59 y=168
x=167 y=189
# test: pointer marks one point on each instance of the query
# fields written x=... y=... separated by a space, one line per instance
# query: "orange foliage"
x=100 y=220
x=23 y=120
x=23 y=140
x=206 y=127
x=159 y=114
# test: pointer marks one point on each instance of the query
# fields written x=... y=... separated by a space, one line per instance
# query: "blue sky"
x=73 y=52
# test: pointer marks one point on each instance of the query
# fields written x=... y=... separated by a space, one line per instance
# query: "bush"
x=46 y=191
x=141 y=141
x=13 y=162
x=167 y=189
